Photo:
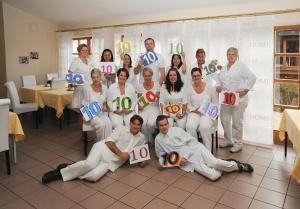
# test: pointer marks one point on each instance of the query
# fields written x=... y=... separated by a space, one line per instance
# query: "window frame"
x=89 y=41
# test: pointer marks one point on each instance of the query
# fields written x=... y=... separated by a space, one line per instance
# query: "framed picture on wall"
x=23 y=59
x=34 y=55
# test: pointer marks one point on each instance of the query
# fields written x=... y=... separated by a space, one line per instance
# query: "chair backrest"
x=28 y=80
x=13 y=93
x=4 y=108
x=58 y=84
x=51 y=76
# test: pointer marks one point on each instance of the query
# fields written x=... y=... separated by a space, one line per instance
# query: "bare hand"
x=183 y=161
x=218 y=89
x=140 y=63
x=242 y=93
x=118 y=112
x=124 y=155
x=104 y=108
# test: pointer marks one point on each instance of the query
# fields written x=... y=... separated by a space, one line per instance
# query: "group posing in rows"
x=126 y=122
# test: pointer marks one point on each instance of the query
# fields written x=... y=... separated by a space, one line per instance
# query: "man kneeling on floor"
x=108 y=154
x=194 y=156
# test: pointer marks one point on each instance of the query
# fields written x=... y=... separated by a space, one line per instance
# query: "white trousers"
x=196 y=123
x=180 y=122
x=232 y=121
x=91 y=169
x=102 y=125
x=119 y=120
x=149 y=116
x=209 y=166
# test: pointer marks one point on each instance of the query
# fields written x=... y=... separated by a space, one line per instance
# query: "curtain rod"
x=187 y=19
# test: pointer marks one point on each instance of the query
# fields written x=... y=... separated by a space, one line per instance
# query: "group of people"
x=138 y=99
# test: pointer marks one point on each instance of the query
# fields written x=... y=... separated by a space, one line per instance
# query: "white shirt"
x=155 y=89
x=132 y=79
x=174 y=97
x=237 y=78
x=177 y=140
x=195 y=100
x=125 y=141
x=89 y=95
x=114 y=92
x=77 y=66
x=159 y=63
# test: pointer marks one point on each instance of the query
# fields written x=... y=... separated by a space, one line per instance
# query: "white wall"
x=25 y=33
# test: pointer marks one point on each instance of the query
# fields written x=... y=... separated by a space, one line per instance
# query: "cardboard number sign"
x=229 y=98
x=171 y=159
x=91 y=110
x=139 y=154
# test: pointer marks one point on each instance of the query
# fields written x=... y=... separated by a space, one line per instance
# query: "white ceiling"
x=87 y=13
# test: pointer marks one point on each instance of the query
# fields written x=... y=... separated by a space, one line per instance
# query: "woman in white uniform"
x=197 y=94
x=173 y=99
x=178 y=61
x=107 y=56
x=234 y=77
x=81 y=64
x=126 y=63
x=121 y=99
x=148 y=94
x=97 y=92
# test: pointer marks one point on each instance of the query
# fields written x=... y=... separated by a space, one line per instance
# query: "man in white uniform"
x=194 y=156
x=158 y=67
x=234 y=77
x=108 y=154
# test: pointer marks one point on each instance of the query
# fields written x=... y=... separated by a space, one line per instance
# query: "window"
x=82 y=40
x=286 y=67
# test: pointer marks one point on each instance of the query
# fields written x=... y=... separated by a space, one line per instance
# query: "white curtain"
x=65 y=49
x=253 y=36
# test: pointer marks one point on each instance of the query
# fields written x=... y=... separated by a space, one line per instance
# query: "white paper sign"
x=210 y=110
x=108 y=68
x=91 y=110
x=229 y=98
x=139 y=154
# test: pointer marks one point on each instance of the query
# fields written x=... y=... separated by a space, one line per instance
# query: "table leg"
x=15 y=150
x=285 y=144
x=7 y=162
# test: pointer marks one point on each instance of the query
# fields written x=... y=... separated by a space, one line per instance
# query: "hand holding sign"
x=108 y=68
x=229 y=98
x=210 y=110
x=139 y=154
x=91 y=110
x=149 y=98
x=149 y=58
x=75 y=78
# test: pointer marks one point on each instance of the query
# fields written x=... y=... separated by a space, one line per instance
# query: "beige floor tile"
x=64 y=186
x=166 y=177
x=119 y=205
x=261 y=205
x=26 y=187
x=210 y=192
x=275 y=185
x=294 y=190
x=194 y=202
x=6 y=197
x=158 y=203
x=98 y=201
x=17 y=204
x=187 y=184
x=136 y=199
x=278 y=174
x=100 y=184
x=250 y=178
x=174 y=195
x=80 y=193
x=133 y=179
x=243 y=188
x=117 y=190
x=16 y=179
x=235 y=200
x=271 y=197
x=148 y=171
x=291 y=203
x=153 y=187
x=220 y=206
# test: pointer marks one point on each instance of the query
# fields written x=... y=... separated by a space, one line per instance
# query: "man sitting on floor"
x=194 y=156
x=105 y=155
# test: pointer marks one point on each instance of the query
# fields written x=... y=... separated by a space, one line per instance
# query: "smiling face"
x=147 y=76
x=176 y=61
x=163 y=126
x=149 y=45
x=122 y=77
x=197 y=77
x=135 y=127
x=200 y=58
x=231 y=57
x=107 y=56
x=127 y=60
x=173 y=76
x=96 y=78
x=84 y=52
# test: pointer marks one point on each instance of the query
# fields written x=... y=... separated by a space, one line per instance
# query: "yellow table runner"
x=15 y=127
x=290 y=123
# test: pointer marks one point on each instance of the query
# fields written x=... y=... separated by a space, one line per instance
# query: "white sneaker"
x=236 y=148
x=223 y=144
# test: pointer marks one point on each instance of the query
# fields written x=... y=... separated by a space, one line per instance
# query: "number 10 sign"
x=139 y=154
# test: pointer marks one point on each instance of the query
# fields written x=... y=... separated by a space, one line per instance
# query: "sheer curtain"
x=253 y=36
x=65 y=49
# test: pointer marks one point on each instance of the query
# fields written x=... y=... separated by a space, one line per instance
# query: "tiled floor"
x=132 y=187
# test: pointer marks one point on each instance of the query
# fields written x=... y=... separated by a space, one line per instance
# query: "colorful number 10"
x=125 y=103
x=170 y=159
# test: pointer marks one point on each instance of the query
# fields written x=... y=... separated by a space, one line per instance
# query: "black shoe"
x=61 y=166
x=51 y=176
x=245 y=167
